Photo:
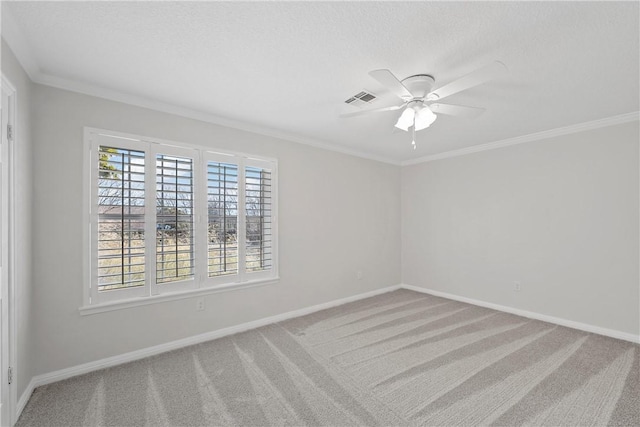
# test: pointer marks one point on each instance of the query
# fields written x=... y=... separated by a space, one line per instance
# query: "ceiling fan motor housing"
x=419 y=85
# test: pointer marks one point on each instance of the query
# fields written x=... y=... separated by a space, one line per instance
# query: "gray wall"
x=559 y=215
x=24 y=184
x=337 y=214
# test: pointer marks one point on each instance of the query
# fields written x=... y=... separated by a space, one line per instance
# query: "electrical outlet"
x=359 y=275
x=200 y=304
x=517 y=286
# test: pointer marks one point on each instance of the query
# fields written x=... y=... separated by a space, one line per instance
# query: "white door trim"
x=8 y=356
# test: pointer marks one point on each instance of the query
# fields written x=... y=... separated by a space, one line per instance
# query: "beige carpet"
x=401 y=358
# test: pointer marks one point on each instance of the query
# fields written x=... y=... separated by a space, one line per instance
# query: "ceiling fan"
x=420 y=102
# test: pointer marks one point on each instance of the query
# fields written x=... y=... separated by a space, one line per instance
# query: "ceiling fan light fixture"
x=405 y=121
x=418 y=96
x=424 y=118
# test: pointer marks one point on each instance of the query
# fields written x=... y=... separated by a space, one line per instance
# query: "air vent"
x=361 y=99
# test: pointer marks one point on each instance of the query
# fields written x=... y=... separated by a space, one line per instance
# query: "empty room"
x=305 y=213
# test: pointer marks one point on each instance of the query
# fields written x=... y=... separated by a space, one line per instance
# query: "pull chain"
x=413 y=140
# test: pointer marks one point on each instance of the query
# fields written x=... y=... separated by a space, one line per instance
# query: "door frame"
x=8 y=332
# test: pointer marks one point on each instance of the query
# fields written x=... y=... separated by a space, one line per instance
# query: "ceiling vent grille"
x=361 y=98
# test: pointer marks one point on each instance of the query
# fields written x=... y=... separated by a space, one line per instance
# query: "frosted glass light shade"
x=405 y=121
x=424 y=117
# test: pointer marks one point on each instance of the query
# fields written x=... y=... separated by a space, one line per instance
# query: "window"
x=222 y=214
x=172 y=219
x=258 y=218
x=175 y=253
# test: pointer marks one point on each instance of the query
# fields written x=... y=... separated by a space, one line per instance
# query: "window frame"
x=256 y=163
x=223 y=158
x=201 y=283
x=185 y=284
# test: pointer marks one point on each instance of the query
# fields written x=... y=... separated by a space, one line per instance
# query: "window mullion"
x=242 y=234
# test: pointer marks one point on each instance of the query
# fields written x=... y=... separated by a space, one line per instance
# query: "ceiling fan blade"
x=391 y=82
x=374 y=110
x=472 y=79
x=456 y=110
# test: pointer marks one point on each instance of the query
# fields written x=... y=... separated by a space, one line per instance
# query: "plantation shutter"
x=167 y=219
x=174 y=218
x=259 y=218
x=222 y=218
x=119 y=252
x=121 y=210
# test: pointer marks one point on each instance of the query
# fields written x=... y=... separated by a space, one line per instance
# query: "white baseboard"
x=51 y=377
x=24 y=398
x=62 y=374
x=530 y=314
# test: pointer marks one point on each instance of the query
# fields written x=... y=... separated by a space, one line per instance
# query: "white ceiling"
x=289 y=66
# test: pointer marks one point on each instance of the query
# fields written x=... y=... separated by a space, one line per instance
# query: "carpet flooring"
x=397 y=359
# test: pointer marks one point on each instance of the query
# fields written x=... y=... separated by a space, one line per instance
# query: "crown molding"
x=139 y=101
x=112 y=95
x=538 y=136
x=20 y=47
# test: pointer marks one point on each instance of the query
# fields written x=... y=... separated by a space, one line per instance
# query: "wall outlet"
x=359 y=275
x=517 y=286
x=200 y=304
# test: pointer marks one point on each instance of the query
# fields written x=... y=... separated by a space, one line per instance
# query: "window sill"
x=171 y=296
